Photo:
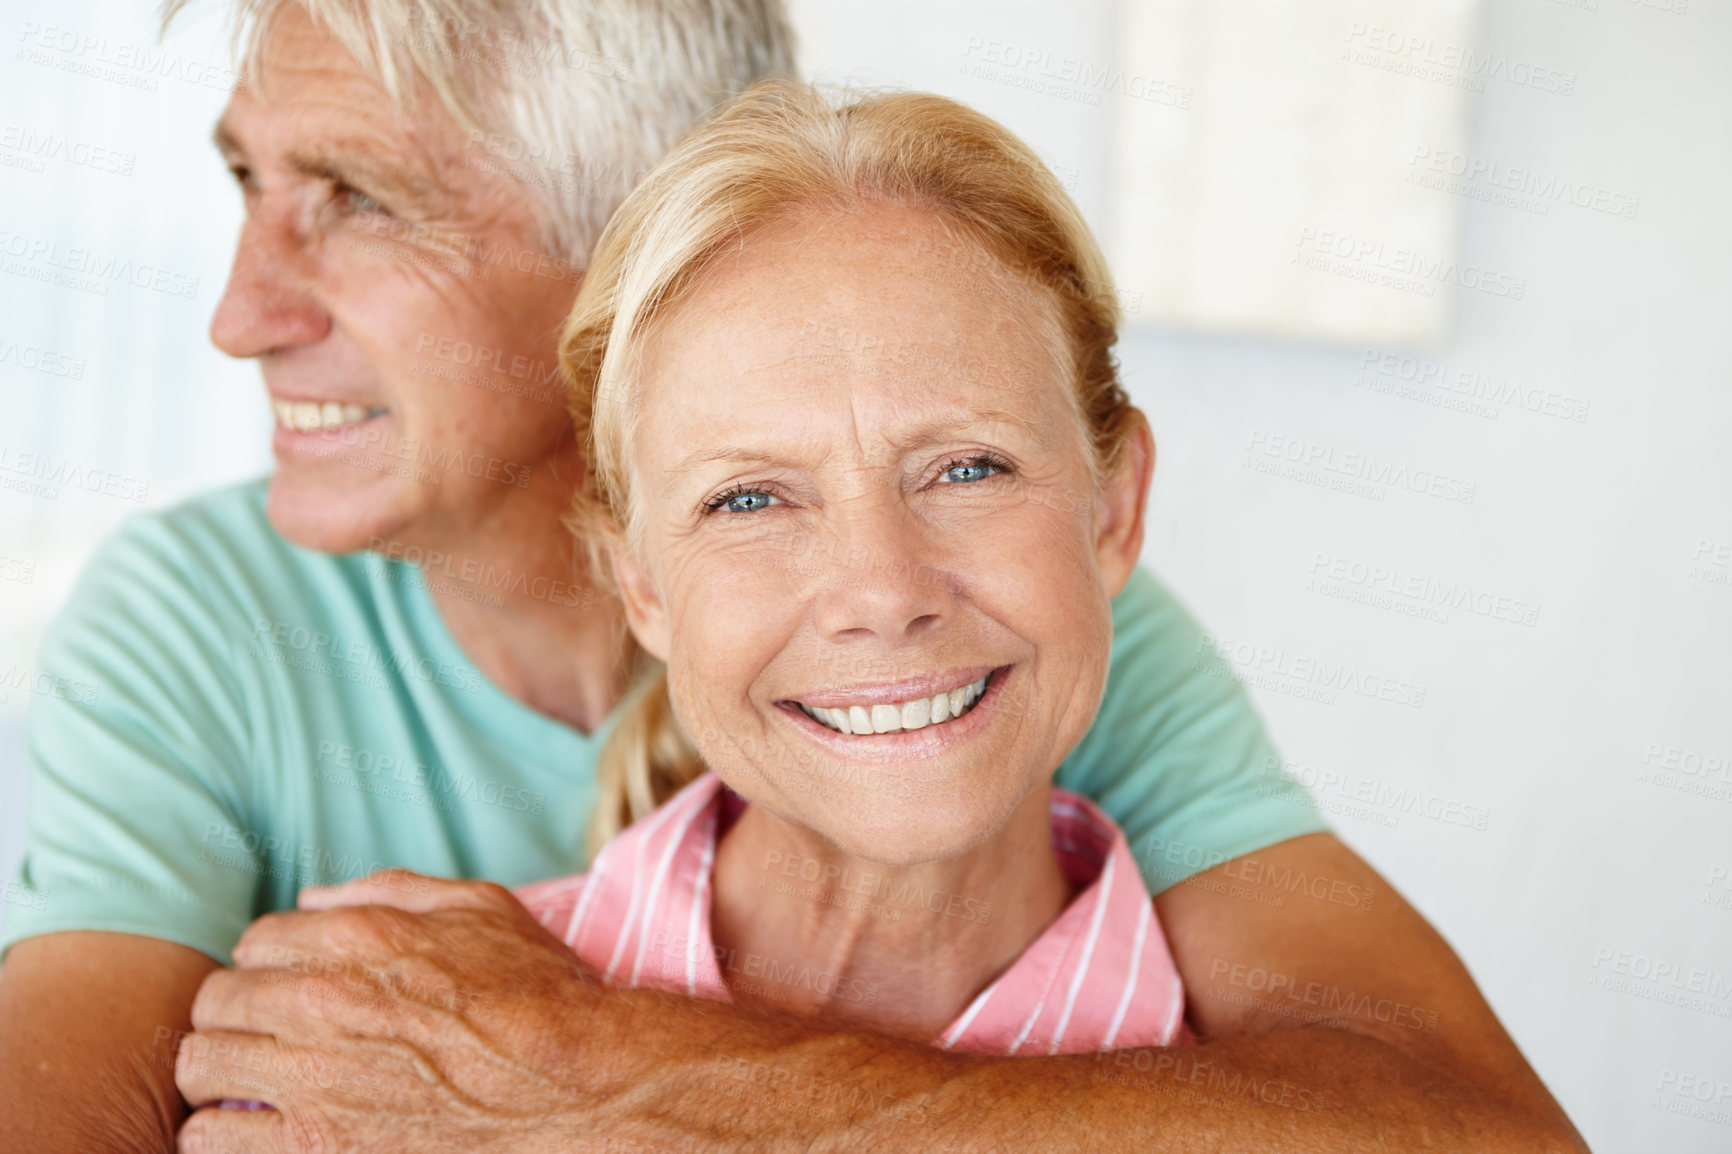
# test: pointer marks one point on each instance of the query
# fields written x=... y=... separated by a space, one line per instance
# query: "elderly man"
x=392 y=655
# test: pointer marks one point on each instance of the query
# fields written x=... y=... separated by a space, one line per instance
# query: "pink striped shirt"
x=1098 y=978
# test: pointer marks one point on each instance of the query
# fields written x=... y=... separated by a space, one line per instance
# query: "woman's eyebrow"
x=731 y=454
x=941 y=429
x=800 y=453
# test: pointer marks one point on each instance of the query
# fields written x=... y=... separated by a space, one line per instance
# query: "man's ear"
x=1120 y=509
x=644 y=610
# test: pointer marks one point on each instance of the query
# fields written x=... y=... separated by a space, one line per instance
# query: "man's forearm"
x=466 y=1022
x=727 y=1078
x=88 y=1025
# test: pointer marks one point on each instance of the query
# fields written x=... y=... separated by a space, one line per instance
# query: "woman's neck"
x=802 y=926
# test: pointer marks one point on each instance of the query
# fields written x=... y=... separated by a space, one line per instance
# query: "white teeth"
x=306 y=416
x=907 y=716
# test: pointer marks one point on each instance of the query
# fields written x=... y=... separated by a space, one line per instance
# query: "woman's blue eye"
x=970 y=471
x=746 y=502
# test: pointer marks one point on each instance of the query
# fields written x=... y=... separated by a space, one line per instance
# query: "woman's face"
x=862 y=491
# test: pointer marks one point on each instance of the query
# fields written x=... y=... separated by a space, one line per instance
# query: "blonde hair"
x=780 y=147
x=574 y=99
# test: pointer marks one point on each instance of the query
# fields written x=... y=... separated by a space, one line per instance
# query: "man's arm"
x=458 y=1016
x=142 y=748
x=88 y=1025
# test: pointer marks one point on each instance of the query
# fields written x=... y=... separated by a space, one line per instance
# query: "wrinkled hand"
x=400 y=1012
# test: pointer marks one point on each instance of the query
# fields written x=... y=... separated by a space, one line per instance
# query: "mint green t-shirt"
x=242 y=717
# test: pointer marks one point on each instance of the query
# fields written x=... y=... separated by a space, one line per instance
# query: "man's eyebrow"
x=225 y=141
x=349 y=162
x=353 y=163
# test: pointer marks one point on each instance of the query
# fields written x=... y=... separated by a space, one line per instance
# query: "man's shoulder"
x=205 y=567
x=1154 y=635
x=213 y=530
x=215 y=544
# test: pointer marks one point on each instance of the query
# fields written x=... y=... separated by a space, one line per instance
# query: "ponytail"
x=646 y=759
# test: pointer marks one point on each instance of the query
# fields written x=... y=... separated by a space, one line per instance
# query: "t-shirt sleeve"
x=137 y=756
x=1177 y=754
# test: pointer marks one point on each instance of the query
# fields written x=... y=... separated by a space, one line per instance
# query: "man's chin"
x=333 y=515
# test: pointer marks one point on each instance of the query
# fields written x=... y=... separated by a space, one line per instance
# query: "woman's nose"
x=883 y=578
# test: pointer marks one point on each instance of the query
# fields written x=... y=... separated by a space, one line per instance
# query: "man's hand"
x=395 y=1012
x=445 y=1018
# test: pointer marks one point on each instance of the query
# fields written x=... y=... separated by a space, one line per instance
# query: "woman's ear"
x=644 y=610
x=1120 y=509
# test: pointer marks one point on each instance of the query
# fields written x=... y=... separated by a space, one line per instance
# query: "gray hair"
x=575 y=99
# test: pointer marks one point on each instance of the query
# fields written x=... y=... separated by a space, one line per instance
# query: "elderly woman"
x=868 y=482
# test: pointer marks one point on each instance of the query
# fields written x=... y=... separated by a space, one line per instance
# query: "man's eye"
x=357 y=201
x=978 y=469
x=743 y=501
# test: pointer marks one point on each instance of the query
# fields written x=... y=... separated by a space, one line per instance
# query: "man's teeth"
x=905 y=715
x=306 y=416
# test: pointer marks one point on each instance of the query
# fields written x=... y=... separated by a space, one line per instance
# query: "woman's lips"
x=901 y=743
x=898 y=716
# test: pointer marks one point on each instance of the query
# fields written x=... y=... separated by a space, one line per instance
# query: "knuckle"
x=367 y=927
x=211 y=997
x=258 y=937
x=331 y=997
x=184 y=1063
x=491 y=894
x=195 y=1135
x=305 y=1132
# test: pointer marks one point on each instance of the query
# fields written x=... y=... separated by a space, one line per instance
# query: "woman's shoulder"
x=554 y=901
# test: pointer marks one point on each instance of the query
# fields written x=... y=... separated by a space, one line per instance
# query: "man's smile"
x=312 y=416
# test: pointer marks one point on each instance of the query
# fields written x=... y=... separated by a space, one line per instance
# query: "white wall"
x=1542 y=729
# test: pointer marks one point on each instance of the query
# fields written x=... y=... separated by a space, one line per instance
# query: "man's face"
x=400 y=305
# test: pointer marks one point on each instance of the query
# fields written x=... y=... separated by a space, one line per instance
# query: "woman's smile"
x=899 y=719
x=889 y=707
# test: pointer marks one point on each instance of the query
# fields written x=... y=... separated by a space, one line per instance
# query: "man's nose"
x=886 y=580
x=268 y=303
